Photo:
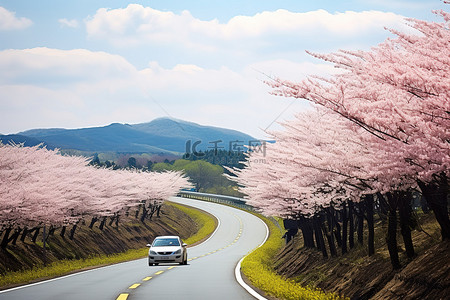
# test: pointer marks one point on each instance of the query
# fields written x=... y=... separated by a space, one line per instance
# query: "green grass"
x=206 y=222
x=257 y=267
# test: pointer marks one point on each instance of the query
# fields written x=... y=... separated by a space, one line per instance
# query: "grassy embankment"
x=258 y=268
x=206 y=224
x=359 y=276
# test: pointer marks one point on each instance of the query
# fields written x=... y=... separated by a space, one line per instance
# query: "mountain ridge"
x=161 y=135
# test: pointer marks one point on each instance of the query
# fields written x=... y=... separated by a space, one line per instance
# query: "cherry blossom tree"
x=399 y=93
x=311 y=169
x=381 y=128
x=41 y=187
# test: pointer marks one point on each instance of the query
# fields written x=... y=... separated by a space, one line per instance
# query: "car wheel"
x=150 y=264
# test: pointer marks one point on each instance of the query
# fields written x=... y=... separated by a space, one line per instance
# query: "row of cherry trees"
x=41 y=187
x=378 y=131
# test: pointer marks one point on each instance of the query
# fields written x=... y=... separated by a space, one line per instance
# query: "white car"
x=167 y=249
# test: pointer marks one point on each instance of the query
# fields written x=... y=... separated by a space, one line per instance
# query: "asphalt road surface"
x=209 y=273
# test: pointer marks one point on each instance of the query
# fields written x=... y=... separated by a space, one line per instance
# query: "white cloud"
x=285 y=22
x=9 y=21
x=54 y=67
x=190 y=77
x=68 y=23
x=43 y=87
x=137 y=24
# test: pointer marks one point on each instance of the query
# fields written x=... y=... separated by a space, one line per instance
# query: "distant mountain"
x=21 y=139
x=163 y=135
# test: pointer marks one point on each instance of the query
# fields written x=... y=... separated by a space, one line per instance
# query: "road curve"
x=208 y=275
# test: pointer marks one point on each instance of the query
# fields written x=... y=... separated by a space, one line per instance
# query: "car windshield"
x=166 y=242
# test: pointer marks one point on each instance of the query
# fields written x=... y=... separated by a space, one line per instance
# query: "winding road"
x=209 y=274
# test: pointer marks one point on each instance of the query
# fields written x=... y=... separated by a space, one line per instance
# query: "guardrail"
x=229 y=200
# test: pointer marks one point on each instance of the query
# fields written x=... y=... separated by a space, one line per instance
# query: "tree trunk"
x=319 y=236
x=137 y=211
x=151 y=213
x=391 y=238
x=102 y=223
x=144 y=213
x=24 y=234
x=351 y=219
x=370 y=224
x=158 y=211
x=63 y=231
x=15 y=236
x=344 y=228
x=329 y=234
x=307 y=231
x=337 y=226
x=72 y=231
x=44 y=239
x=36 y=234
x=436 y=195
x=93 y=221
x=405 y=222
x=5 y=239
x=360 y=222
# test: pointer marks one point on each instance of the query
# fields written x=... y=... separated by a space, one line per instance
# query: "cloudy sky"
x=87 y=63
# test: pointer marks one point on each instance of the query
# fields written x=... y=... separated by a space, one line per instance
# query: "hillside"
x=129 y=233
x=358 y=276
x=21 y=139
x=163 y=135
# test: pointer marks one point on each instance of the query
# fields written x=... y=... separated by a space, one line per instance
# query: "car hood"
x=165 y=249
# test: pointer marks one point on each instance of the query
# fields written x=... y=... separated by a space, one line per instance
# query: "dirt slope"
x=130 y=234
x=358 y=276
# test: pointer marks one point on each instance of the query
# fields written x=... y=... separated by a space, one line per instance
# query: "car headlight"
x=153 y=252
x=177 y=252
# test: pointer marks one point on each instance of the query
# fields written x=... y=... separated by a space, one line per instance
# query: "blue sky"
x=90 y=63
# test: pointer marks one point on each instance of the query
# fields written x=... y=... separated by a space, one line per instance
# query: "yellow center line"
x=124 y=296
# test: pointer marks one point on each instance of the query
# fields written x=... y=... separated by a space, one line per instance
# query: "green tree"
x=204 y=174
x=180 y=164
x=161 y=167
